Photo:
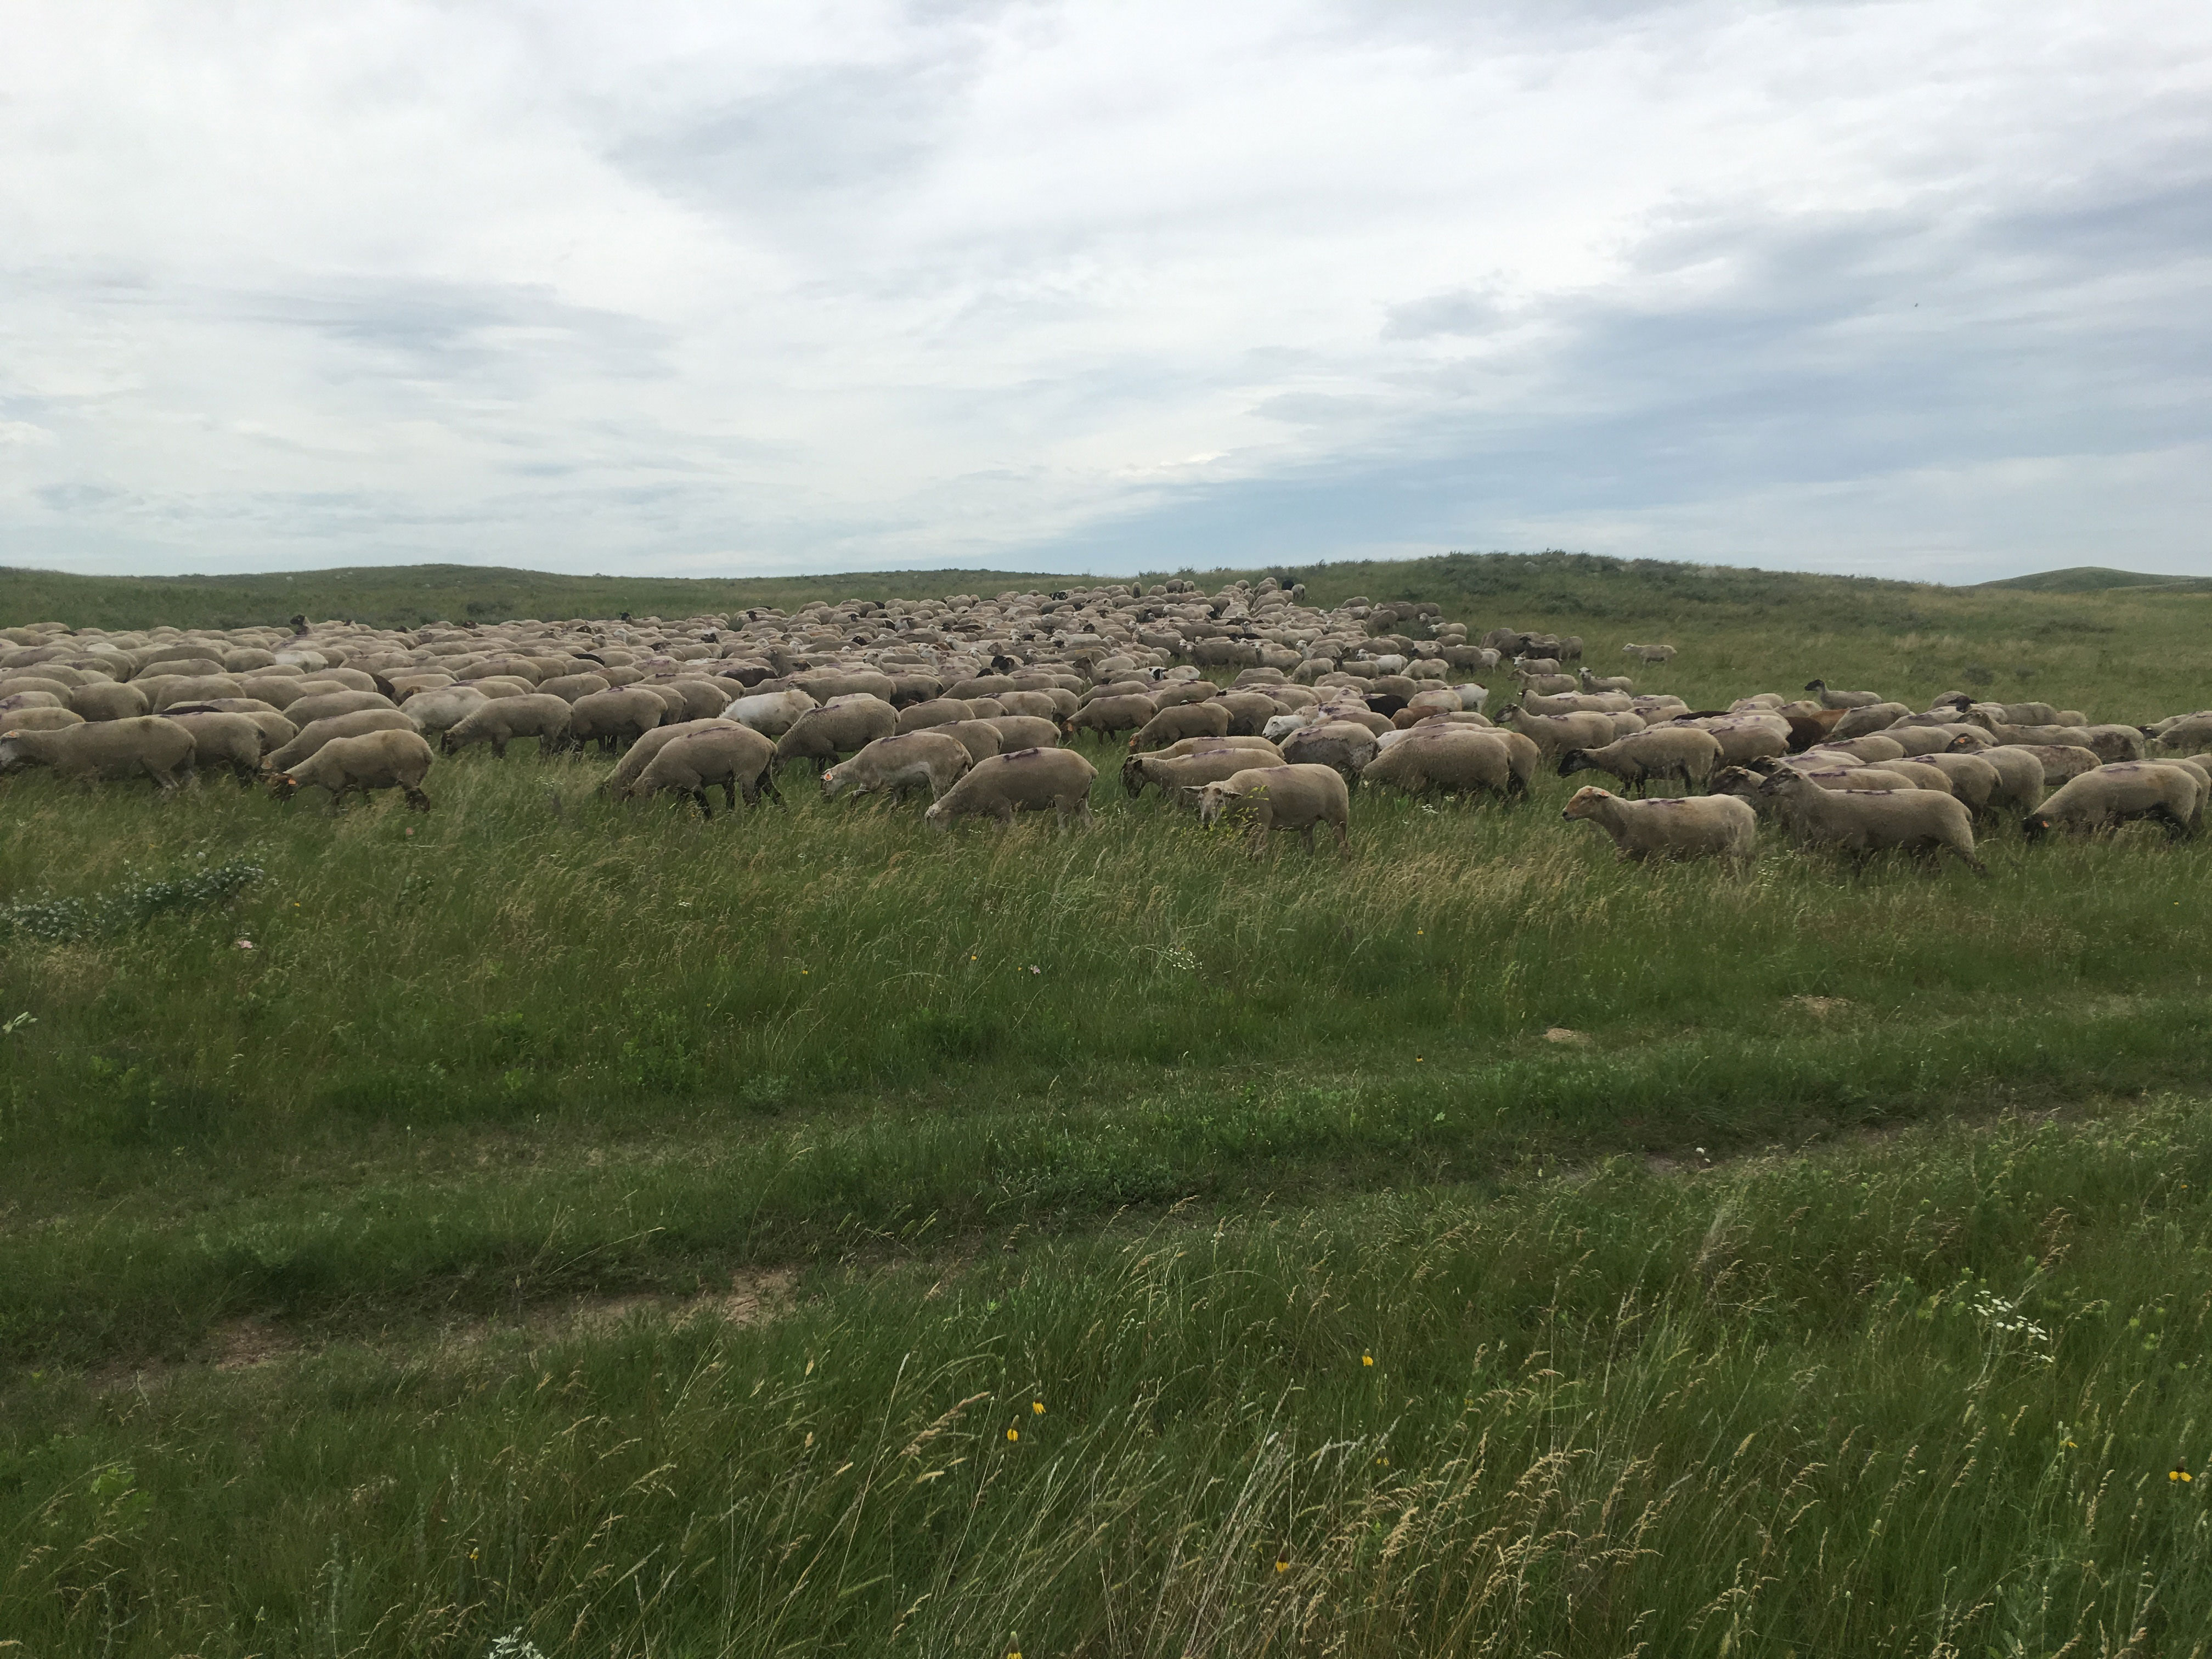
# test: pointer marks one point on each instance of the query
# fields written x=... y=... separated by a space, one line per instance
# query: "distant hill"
x=2096 y=579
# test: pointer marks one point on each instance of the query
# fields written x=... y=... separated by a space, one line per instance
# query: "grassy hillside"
x=629 y=1233
x=2096 y=579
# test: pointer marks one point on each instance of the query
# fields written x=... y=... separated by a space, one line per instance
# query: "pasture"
x=566 y=1220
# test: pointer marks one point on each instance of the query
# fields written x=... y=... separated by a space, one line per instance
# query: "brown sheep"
x=1281 y=797
x=615 y=719
x=827 y=734
x=143 y=745
x=724 y=752
x=1179 y=720
x=500 y=720
x=1863 y=822
x=2120 y=794
x=1642 y=757
x=913 y=760
x=1675 y=827
x=1027 y=780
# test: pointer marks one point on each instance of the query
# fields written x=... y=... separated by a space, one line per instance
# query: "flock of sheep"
x=1247 y=705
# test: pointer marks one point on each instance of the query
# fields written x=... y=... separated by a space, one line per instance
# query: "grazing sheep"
x=1178 y=720
x=1259 y=746
x=1642 y=757
x=219 y=740
x=38 y=718
x=2184 y=734
x=1110 y=716
x=1742 y=737
x=1027 y=780
x=1833 y=699
x=826 y=735
x=1178 y=777
x=1973 y=780
x=107 y=700
x=771 y=714
x=1024 y=732
x=569 y=687
x=721 y=751
x=380 y=760
x=1675 y=827
x=1344 y=745
x=500 y=720
x=2118 y=794
x=979 y=737
x=1451 y=759
x=142 y=745
x=1554 y=735
x=305 y=711
x=1863 y=822
x=931 y=712
x=632 y=765
x=913 y=760
x=313 y=735
x=1650 y=654
x=615 y=720
x=437 y=710
x=1590 y=682
x=1281 y=797
x=1872 y=717
x=2062 y=762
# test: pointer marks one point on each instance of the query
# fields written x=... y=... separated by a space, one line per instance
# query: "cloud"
x=858 y=282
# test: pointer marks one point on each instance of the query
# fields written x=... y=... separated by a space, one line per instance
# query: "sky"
x=1901 y=290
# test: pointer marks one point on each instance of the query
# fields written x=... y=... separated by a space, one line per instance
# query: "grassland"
x=640 y=1235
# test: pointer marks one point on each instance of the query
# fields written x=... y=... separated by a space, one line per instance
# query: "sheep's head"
x=1133 y=776
x=1574 y=761
x=834 y=782
x=2036 y=826
x=283 y=786
x=938 y=817
x=1816 y=685
x=12 y=755
x=1585 y=802
x=1215 y=801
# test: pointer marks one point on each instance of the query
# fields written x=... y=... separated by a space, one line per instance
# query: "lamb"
x=1281 y=797
x=1450 y=759
x=827 y=734
x=1863 y=822
x=142 y=745
x=1833 y=699
x=722 y=751
x=2119 y=794
x=1027 y=780
x=1178 y=777
x=1177 y=720
x=1678 y=827
x=1650 y=654
x=1644 y=756
x=913 y=760
x=220 y=740
x=615 y=720
x=313 y=735
x=500 y=720
x=380 y=760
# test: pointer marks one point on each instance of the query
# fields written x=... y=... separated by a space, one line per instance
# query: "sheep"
x=323 y=705
x=931 y=712
x=1649 y=653
x=1863 y=822
x=38 y=719
x=1188 y=720
x=1178 y=777
x=500 y=720
x=1544 y=684
x=1259 y=746
x=1555 y=734
x=1342 y=745
x=771 y=714
x=1450 y=759
x=893 y=765
x=144 y=745
x=1590 y=682
x=1742 y=737
x=380 y=760
x=979 y=737
x=313 y=735
x=1676 y=827
x=1643 y=756
x=826 y=735
x=1027 y=780
x=437 y=710
x=220 y=740
x=107 y=701
x=616 y=719
x=632 y=765
x=1834 y=699
x=1973 y=780
x=720 y=751
x=2184 y=734
x=1281 y=797
x=2062 y=762
x=1872 y=717
x=275 y=730
x=1024 y=732
x=569 y=687
x=2118 y=794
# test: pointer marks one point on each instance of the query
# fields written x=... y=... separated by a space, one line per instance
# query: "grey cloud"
x=1463 y=311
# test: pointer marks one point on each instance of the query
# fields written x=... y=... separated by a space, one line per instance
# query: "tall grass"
x=1932 y=1396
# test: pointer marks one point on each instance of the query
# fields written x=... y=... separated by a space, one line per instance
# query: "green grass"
x=1243 y=1122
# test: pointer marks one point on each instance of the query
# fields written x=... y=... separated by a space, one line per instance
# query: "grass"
x=1127 y=1123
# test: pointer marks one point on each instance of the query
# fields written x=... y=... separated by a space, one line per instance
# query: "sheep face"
x=12 y=757
x=1574 y=761
x=1584 y=802
x=2036 y=826
x=1215 y=801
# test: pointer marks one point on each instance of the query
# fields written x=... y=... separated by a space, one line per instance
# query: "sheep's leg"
x=730 y=794
x=416 y=800
x=1306 y=839
x=499 y=749
x=2177 y=826
x=706 y=807
x=767 y=782
x=1966 y=856
x=1343 y=838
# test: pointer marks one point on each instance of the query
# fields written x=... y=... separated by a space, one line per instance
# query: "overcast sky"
x=1904 y=289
